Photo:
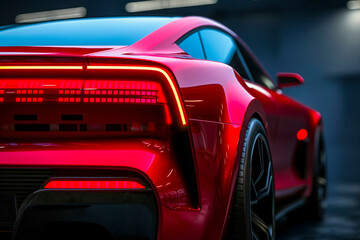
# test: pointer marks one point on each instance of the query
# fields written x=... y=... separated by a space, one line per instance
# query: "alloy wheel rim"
x=322 y=181
x=262 y=191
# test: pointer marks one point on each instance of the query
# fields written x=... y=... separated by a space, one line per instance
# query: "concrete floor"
x=342 y=219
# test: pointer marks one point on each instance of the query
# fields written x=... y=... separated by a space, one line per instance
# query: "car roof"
x=84 y=31
x=165 y=36
x=153 y=31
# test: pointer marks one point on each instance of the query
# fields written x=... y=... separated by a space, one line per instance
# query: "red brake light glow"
x=41 y=67
x=301 y=134
x=156 y=69
x=93 y=184
x=138 y=91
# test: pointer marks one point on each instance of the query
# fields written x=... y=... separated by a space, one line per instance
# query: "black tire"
x=317 y=203
x=253 y=209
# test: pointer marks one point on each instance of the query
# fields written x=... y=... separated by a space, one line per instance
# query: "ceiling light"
x=51 y=15
x=151 y=5
x=353 y=5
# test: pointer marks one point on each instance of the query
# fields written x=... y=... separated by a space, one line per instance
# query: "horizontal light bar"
x=151 y=5
x=93 y=184
x=51 y=15
x=155 y=69
x=41 y=67
x=353 y=5
x=112 y=100
x=136 y=68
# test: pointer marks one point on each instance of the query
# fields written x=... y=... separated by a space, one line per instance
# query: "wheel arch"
x=254 y=110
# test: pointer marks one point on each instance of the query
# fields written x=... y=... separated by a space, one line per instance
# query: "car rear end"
x=91 y=148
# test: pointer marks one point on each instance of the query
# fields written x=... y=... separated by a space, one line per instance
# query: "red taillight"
x=168 y=78
x=41 y=67
x=93 y=184
x=143 y=92
x=115 y=91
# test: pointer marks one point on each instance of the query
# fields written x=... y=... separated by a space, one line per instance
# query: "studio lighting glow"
x=151 y=5
x=353 y=5
x=51 y=15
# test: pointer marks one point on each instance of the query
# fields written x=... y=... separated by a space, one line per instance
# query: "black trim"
x=71 y=117
x=59 y=214
x=32 y=127
x=301 y=159
x=202 y=44
x=25 y=117
x=183 y=152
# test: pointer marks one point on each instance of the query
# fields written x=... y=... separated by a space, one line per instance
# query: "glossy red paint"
x=205 y=100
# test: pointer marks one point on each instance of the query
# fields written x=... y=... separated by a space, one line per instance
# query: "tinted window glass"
x=95 y=31
x=221 y=48
x=192 y=46
x=258 y=74
x=218 y=46
x=238 y=65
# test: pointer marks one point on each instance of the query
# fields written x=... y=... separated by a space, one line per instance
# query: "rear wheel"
x=253 y=211
x=317 y=202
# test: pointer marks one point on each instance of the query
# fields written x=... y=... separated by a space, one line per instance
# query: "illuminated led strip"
x=41 y=67
x=168 y=78
x=142 y=68
x=93 y=184
x=35 y=91
x=29 y=99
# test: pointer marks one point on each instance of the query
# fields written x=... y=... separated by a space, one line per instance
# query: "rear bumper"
x=87 y=214
x=45 y=212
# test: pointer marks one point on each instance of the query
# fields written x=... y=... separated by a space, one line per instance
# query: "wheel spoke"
x=261 y=191
x=260 y=151
x=254 y=194
x=265 y=191
x=254 y=236
x=261 y=225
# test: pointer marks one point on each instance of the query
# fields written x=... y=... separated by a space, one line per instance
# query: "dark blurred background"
x=320 y=39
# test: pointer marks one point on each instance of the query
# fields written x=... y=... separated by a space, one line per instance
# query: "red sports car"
x=149 y=128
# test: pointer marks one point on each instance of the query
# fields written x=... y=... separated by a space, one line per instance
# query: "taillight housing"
x=103 y=84
x=96 y=99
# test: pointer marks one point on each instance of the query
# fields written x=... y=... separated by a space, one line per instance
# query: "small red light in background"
x=93 y=184
x=302 y=134
x=1 y=99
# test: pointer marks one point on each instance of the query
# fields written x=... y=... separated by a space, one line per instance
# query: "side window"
x=221 y=47
x=192 y=46
x=258 y=74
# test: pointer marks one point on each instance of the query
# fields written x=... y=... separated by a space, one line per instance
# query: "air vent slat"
x=21 y=182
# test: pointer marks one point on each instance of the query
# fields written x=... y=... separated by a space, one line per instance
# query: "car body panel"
x=218 y=103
